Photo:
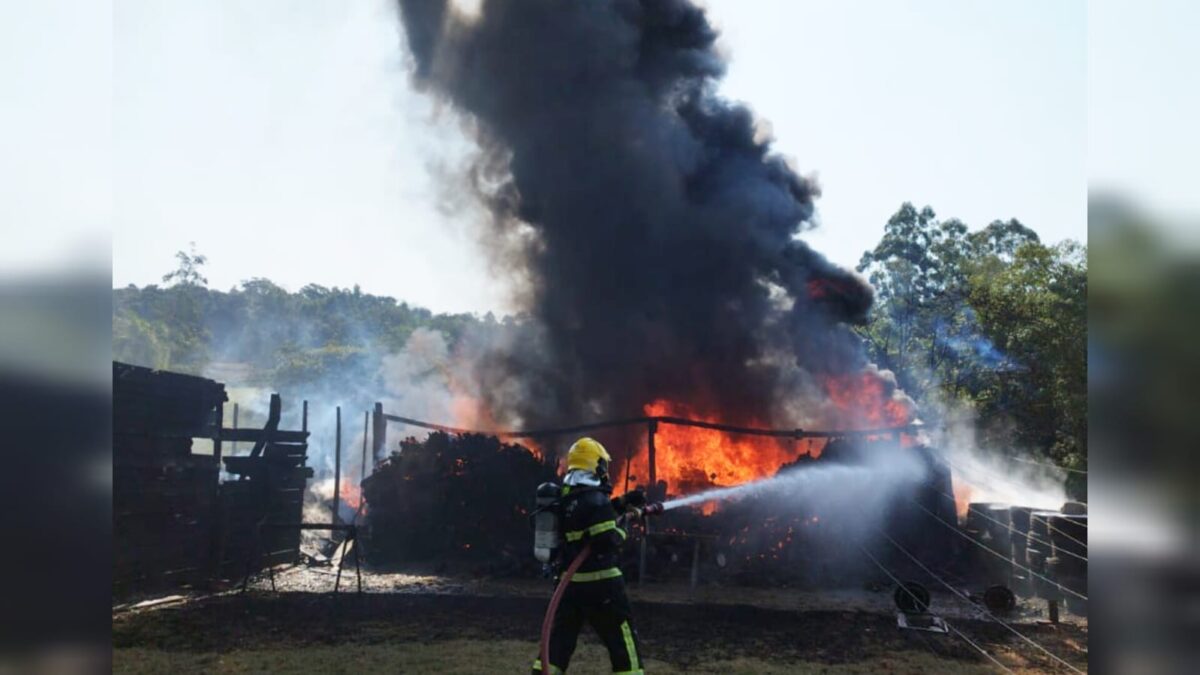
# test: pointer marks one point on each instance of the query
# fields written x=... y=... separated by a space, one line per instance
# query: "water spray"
x=792 y=482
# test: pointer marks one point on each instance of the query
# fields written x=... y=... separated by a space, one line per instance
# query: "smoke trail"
x=649 y=226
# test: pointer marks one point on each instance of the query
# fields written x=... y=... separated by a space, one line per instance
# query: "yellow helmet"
x=587 y=454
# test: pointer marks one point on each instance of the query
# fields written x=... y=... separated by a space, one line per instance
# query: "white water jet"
x=805 y=481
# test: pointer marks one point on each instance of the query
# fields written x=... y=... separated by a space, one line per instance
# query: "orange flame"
x=867 y=401
x=962 y=499
x=350 y=493
x=691 y=459
x=470 y=412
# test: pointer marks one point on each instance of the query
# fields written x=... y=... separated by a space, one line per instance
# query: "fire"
x=867 y=400
x=962 y=498
x=690 y=459
x=471 y=412
x=350 y=493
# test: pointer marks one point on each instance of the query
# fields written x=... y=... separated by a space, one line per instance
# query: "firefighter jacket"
x=588 y=516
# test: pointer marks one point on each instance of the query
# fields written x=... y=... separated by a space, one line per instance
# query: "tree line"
x=284 y=338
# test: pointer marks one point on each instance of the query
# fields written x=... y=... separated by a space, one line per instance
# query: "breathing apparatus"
x=547 y=535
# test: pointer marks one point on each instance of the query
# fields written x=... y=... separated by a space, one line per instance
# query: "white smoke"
x=986 y=477
x=419 y=380
x=423 y=379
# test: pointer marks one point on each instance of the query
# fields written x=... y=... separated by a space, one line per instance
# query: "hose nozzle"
x=641 y=512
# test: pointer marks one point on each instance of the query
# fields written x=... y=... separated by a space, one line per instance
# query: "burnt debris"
x=454 y=498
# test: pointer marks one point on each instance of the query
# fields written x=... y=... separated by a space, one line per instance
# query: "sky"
x=55 y=136
x=1143 y=103
x=283 y=137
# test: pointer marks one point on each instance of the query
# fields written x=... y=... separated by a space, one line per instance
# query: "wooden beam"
x=256 y=435
x=378 y=432
x=651 y=430
x=366 y=422
x=270 y=427
x=337 y=467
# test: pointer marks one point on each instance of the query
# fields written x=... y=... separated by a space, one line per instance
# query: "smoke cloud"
x=651 y=230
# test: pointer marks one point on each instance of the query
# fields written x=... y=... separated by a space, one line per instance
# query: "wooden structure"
x=454 y=495
x=174 y=522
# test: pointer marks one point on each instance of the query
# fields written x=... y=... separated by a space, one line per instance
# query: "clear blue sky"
x=978 y=109
x=284 y=139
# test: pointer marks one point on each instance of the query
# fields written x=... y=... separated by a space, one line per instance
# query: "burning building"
x=653 y=240
x=462 y=498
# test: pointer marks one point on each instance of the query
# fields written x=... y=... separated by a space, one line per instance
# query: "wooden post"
x=378 y=432
x=652 y=488
x=696 y=564
x=1053 y=607
x=366 y=422
x=304 y=418
x=233 y=451
x=269 y=428
x=215 y=530
x=651 y=429
x=642 y=555
x=337 y=466
x=628 y=464
x=216 y=437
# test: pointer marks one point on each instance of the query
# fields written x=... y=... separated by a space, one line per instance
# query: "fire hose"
x=548 y=621
x=552 y=609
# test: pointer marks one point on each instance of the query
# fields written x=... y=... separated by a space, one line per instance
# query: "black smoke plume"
x=653 y=229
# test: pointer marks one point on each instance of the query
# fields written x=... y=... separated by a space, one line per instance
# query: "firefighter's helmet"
x=588 y=455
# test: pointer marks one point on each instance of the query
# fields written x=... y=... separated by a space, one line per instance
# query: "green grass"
x=467 y=657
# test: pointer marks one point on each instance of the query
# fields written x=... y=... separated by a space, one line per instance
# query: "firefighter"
x=596 y=593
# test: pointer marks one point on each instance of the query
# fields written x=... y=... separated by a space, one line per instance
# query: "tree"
x=188 y=272
x=1002 y=239
x=138 y=340
x=992 y=319
x=182 y=332
x=1034 y=309
x=917 y=272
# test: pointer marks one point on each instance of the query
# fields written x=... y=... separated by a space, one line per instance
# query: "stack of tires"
x=988 y=523
x=1037 y=550
x=1067 y=563
x=1019 y=517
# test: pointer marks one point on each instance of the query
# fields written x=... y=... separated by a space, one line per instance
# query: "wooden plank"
x=378 y=431
x=256 y=435
x=270 y=427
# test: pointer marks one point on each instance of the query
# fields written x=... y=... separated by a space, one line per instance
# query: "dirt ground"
x=427 y=623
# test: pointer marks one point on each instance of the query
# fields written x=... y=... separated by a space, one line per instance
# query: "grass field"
x=467 y=657
x=420 y=633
